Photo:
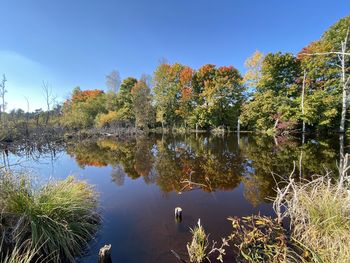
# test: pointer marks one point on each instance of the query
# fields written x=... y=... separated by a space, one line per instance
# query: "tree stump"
x=104 y=256
x=178 y=214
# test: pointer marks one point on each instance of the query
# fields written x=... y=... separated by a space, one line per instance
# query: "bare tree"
x=113 y=81
x=344 y=80
x=27 y=117
x=302 y=100
x=3 y=91
x=49 y=100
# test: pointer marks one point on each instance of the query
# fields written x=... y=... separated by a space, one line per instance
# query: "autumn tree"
x=328 y=60
x=274 y=104
x=253 y=64
x=81 y=109
x=218 y=94
x=279 y=73
x=167 y=91
x=142 y=104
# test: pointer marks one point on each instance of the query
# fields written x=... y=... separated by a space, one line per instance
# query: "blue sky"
x=72 y=43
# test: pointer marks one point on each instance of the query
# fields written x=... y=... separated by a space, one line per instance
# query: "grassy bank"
x=54 y=222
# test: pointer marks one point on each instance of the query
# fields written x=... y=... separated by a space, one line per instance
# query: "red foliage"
x=283 y=125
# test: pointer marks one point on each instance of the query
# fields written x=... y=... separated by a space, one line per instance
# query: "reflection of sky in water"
x=138 y=215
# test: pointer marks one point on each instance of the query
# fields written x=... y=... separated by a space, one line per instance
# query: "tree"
x=253 y=65
x=123 y=101
x=113 y=81
x=279 y=73
x=218 y=94
x=82 y=108
x=49 y=100
x=3 y=91
x=142 y=106
x=167 y=92
x=328 y=61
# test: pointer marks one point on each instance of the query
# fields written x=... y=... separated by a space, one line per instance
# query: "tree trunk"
x=344 y=82
x=302 y=102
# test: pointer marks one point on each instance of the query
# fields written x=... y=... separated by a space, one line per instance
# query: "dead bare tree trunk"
x=49 y=100
x=27 y=118
x=302 y=101
x=3 y=91
x=344 y=82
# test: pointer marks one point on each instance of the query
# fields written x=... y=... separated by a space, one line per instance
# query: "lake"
x=141 y=180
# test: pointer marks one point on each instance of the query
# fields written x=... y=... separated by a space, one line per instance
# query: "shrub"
x=258 y=239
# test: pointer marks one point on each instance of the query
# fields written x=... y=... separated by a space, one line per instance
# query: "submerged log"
x=104 y=256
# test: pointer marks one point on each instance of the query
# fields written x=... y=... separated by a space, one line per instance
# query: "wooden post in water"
x=178 y=214
x=104 y=256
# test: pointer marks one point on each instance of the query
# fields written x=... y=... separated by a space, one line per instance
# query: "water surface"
x=141 y=181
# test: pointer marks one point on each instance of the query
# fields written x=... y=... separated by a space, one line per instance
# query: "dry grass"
x=319 y=213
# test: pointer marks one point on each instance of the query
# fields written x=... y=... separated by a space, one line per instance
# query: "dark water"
x=142 y=180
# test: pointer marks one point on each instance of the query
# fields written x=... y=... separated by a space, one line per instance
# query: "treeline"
x=280 y=92
x=180 y=98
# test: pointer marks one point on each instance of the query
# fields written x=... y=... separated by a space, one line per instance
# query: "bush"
x=111 y=119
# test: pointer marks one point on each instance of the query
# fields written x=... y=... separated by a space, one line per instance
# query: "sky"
x=69 y=43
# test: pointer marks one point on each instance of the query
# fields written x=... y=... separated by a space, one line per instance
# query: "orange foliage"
x=186 y=76
x=82 y=96
x=226 y=68
x=206 y=68
x=186 y=93
x=95 y=163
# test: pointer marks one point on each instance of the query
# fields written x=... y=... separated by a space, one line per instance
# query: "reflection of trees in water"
x=212 y=162
x=118 y=175
x=143 y=158
x=208 y=159
x=266 y=158
x=133 y=156
x=27 y=152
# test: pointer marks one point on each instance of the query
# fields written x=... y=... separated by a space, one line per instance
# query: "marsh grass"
x=22 y=253
x=59 y=218
x=197 y=249
x=319 y=213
